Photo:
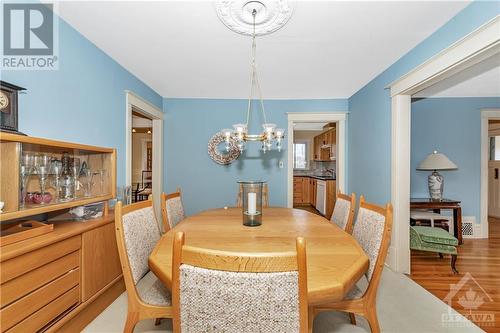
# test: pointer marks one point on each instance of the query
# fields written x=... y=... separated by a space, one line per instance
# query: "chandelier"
x=239 y=133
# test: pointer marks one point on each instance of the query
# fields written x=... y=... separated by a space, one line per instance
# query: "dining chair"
x=372 y=230
x=137 y=233
x=172 y=209
x=265 y=196
x=343 y=212
x=218 y=291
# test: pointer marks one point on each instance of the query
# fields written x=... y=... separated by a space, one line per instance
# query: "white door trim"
x=486 y=114
x=311 y=117
x=473 y=48
x=156 y=114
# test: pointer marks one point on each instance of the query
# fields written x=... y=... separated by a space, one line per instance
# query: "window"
x=300 y=155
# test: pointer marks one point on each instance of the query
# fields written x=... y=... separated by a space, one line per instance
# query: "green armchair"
x=434 y=240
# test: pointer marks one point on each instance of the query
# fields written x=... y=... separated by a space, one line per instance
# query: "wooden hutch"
x=60 y=280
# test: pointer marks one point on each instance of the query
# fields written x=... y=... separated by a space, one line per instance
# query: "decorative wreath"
x=223 y=158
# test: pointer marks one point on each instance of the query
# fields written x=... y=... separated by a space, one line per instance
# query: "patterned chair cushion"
x=175 y=211
x=141 y=235
x=152 y=291
x=354 y=293
x=341 y=213
x=368 y=231
x=435 y=235
x=220 y=301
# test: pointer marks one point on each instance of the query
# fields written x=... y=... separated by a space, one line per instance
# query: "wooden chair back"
x=386 y=213
x=350 y=215
x=164 y=213
x=237 y=262
x=137 y=309
x=265 y=196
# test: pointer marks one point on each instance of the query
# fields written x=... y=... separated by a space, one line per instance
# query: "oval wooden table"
x=335 y=261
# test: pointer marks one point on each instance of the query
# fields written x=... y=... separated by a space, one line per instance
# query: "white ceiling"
x=480 y=80
x=326 y=50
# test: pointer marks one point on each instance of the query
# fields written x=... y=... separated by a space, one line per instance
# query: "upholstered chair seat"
x=354 y=293
x=153 y=291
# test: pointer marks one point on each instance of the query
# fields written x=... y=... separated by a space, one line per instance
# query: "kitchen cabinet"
x=305 y=192
x=312 y=191
x=325 y=145
x=301 y=190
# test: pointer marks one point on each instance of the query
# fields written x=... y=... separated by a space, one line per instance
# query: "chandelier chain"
x=254 y=76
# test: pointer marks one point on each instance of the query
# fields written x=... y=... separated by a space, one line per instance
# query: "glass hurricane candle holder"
x=251 y=192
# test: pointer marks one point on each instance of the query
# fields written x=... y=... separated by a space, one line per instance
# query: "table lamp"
x=436 y=161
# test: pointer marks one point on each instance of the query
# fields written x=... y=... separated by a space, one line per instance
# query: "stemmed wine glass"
x=42 y=162
x=26 y=169
x=56 y=170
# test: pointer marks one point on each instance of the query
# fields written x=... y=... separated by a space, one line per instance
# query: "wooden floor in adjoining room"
x=309 y=208
x=478 y=257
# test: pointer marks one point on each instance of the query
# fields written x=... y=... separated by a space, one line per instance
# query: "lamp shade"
x=437 y=161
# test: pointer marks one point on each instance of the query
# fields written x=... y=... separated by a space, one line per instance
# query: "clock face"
x=4 y=101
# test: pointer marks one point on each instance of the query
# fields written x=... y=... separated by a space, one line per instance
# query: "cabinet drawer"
x=26 y=283
x=48 y=313
x=37 y=300
x=27 y=262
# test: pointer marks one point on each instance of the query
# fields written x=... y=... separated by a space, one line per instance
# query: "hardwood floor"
x=479 y=297
x=308 y=208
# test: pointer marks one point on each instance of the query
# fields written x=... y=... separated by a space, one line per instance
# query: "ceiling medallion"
x=237 y=15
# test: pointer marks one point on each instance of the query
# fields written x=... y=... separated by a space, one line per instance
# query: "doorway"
x=318 y=121
x=142 y=156
x=475 y=47
x=144 y=109
x=314 y=167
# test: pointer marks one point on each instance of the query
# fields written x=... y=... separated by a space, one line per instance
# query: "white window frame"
x=307 y=143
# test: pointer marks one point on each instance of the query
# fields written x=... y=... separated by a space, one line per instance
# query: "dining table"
x=335 y=260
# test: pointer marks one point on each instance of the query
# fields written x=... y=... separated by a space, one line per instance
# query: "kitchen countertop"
x=316 y=177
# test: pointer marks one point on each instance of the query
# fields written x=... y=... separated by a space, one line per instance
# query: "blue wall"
x=369 y=155
x=83 y=101
x=451 y=126
x=190 y=123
